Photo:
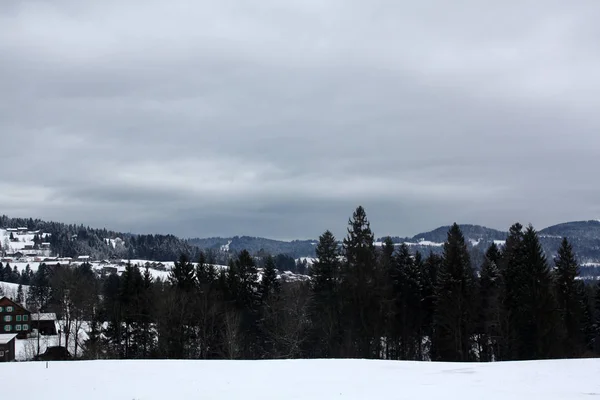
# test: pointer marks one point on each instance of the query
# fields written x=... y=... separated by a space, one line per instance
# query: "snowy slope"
x=301 y=380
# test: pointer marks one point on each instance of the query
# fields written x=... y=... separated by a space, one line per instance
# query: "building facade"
x=14 y=318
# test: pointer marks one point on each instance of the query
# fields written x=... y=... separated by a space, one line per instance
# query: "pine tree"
x=569 y=299
x=269 y=284
x=489 y=305
x=325 y=304
x=537 y=323
x=20 y=297
x=406 y=289
x=182 y=274
x=429 y=272
x=597 y=320
x=454 y=319
x=362 y=305
x=512 y=267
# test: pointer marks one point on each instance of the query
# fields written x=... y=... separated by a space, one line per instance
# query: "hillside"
x=295 y=248
x=304 y=380
x=72 y=241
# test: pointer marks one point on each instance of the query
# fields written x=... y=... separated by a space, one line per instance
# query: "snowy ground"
x=301 y=380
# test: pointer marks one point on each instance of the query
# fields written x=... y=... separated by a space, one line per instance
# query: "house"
x=7 y=347
x=45 y=323
x=14 y=318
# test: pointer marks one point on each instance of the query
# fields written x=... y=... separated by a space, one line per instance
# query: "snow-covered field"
x=301 y=380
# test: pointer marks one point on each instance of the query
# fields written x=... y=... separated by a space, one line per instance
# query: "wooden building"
x=14 y=318
x=7 y=346
x=45 y=323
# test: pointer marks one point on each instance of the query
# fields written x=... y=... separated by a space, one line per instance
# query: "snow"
x=225 y=247
x=499 y=242
x=425 y=243
x=474 y=242
x=309 y=260
x=302 y=380
x=421 y=242
x=43 y=316
x=10 y=290
x=24 y=239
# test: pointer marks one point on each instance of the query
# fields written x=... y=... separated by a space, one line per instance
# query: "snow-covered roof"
x=43 y=317
x=7 y=337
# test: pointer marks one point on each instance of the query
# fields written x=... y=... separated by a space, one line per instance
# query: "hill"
x=295 y=248
x=303 y=380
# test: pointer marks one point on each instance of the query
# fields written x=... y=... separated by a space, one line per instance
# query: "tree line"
x=362 y=301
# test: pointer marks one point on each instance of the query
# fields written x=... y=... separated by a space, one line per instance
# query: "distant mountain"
x=585 y=238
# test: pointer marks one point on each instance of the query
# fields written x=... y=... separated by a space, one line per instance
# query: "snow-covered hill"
x=301 y=380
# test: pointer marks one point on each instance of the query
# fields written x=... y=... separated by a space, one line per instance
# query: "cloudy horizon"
x=277 y=119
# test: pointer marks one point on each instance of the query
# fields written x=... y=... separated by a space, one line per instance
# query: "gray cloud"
x=277 y=119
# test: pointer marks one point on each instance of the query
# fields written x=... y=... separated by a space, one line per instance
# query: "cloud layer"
x=277 y=118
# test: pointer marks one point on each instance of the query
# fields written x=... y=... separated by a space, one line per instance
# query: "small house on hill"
x=14 y=318
x=7 y=346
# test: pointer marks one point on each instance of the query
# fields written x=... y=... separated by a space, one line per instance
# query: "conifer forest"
x=361 y=301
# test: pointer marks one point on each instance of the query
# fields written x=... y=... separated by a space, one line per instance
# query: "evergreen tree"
x=597 y=320
x=537 y=320
x=512 y=267
x=429 y=272
x=182 y=274
x=361 y=284
x=489 y=305
x=453 y=319
x=20 y=296
x=324 y=310
x=569 y=300
x=269 y=284
x=406 y=289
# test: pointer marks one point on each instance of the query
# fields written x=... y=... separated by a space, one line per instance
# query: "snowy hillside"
x=302 y=380
x=22 y=240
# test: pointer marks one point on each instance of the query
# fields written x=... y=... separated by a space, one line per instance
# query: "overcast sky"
x=277 y=118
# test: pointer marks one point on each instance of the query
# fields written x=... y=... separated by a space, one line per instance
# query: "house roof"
x=13 y=302
x=7 y=337
x=43 y=317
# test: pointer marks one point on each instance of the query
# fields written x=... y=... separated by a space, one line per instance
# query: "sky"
x=277 y=118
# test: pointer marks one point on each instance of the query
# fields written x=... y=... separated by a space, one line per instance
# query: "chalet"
x=45 y=323
x=7 y=347
x=14 y=318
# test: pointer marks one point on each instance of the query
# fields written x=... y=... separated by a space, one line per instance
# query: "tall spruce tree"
x=454 y=313
x=489 y=305
x=387 y=263
x=361 y=280
x=406 y=284
x=569 y=300
x=512 y=268
x=325 y=304
x=597 y=320
x=429 y=272
x=537 y=319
